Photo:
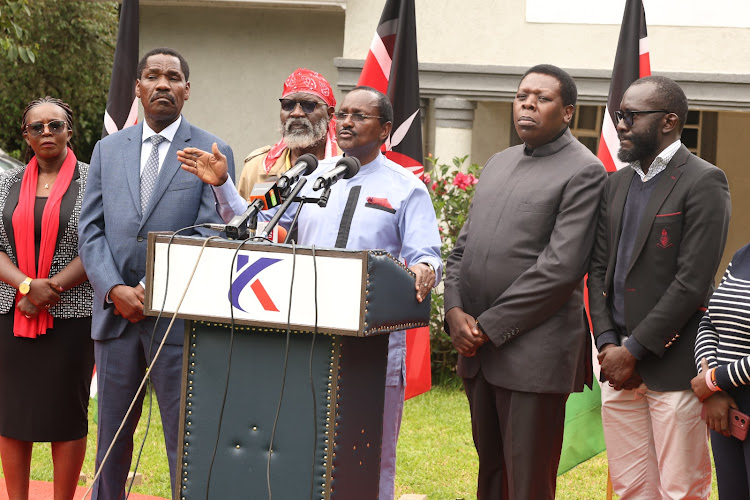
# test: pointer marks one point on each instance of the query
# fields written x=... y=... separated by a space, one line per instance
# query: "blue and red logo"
x=246 y=273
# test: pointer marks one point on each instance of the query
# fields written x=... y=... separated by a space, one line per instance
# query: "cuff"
x=228 y=201
x=608 y=337
x=722 y=378
x=636 y=349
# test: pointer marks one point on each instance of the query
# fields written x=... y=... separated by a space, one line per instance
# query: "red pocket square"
x=383 y=202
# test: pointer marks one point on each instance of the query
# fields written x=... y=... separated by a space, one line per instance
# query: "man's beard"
x=643 y=145
x=306 y=136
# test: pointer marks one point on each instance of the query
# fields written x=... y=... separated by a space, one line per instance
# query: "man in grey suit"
x=135 y=186
x=514 y=291
x=661 y=233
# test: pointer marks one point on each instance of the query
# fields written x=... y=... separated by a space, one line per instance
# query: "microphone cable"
x=312 y=380
x=229 y=364
x=153 y=362
x=283 y=376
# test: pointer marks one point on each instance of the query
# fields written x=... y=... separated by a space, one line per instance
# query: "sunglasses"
x=628 y=116
x=356 y=117
x=55 y=127
x=307 y=106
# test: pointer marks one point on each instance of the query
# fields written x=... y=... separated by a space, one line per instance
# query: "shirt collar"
x=659 y=164
x=559 y=142
x=168 y=133
x=372 y=166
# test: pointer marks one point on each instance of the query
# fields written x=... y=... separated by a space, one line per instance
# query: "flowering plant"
x=452 y=189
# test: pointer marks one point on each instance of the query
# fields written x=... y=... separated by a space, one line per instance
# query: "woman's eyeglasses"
x=55 y=127
x=308 y=107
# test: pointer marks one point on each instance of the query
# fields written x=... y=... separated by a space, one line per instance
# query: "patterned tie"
x=150 y=171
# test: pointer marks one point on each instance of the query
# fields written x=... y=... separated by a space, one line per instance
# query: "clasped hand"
x=618 y=367
x=465 y=333
x=128 y=301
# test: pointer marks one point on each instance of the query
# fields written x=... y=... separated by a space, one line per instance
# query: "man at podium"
x=384 y=206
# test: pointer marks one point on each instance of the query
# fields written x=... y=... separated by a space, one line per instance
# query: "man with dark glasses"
x=662 y=226
x=307 y=126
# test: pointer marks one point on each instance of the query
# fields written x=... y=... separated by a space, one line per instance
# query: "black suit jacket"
x=670 y=276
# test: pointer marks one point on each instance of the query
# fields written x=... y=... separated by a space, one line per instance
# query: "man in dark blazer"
x=135 y=186
x=514 y=291
x=661 y=232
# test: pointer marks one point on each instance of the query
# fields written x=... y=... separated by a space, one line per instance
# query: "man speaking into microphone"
x=383 y=206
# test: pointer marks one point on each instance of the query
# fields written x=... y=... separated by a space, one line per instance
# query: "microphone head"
x=352 y=165
x=310 y=160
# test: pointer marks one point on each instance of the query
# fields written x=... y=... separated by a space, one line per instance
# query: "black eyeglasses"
x=55 y=127
x=356 y=117
x=629 y=115
x=307 y=106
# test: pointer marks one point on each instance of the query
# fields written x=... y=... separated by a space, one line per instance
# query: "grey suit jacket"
x=670 y=275
x=519 y=262
x=112 y=229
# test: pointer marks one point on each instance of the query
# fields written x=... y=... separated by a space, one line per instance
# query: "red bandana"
x=310 y=82
x=23 y=231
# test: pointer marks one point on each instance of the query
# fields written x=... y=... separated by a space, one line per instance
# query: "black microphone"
x=264 y=195
x=304 y=165
x=347 y=167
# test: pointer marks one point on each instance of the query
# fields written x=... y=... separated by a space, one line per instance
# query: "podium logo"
x=246 y=273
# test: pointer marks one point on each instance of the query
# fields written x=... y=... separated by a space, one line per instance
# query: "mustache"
x=169 y=97
x=298 y=121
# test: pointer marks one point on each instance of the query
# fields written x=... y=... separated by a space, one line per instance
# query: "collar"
x=555 y=145
x=659 y=164
x=372 y=166
x=168 y=133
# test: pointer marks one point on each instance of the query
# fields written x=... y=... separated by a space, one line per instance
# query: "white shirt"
x=168 y=133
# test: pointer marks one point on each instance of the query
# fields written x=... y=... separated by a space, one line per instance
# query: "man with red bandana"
x=307 y=126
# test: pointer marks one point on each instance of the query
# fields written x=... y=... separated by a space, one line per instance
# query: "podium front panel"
x=329 y=429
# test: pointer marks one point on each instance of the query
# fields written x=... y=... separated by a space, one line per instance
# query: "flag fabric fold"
x=122 y=107
x=391 y=66
x=631 y=63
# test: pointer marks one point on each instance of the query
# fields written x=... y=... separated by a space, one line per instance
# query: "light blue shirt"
x=394 y=213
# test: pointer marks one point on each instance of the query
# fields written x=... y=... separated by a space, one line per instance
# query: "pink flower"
x=463 y=181
x=426 y=178
x=434 y=185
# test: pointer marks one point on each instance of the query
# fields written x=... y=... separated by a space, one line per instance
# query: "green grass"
x=436 y=454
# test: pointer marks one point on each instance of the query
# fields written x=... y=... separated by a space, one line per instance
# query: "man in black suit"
x=514 y=291
x=659 y=240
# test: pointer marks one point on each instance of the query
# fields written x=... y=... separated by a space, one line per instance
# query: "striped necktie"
x=150 y=171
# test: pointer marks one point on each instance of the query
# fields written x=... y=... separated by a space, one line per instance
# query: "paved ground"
x=40 y=490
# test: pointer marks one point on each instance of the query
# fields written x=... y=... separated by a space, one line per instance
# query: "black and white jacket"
x=76 y=302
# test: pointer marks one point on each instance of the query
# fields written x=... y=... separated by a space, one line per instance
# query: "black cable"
x=229 y=370
x=148 y=360
x=283 y=375
x=312 y=380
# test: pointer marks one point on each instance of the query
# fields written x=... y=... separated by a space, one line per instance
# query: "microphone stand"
x=283 y=208
x=321 y=202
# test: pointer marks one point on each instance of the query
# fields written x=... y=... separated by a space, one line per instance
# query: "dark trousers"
x=732 y=456
x=120 y=366
x=518 y=437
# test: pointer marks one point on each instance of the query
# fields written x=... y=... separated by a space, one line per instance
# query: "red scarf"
x=23 y=231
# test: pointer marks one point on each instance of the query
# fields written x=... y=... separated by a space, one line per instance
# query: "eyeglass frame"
x=356 y=117
x=48 y=125
x=620 y=115
x=302 y=105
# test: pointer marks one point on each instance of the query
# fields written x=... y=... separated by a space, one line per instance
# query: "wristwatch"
x=430 y=266
x=25 y=286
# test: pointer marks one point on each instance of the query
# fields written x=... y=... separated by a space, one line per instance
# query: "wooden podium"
x=326 y=441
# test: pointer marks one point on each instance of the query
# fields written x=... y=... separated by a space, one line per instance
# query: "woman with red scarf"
x=46 y=352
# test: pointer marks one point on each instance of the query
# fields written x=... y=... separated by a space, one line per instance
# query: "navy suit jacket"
x=113 y=231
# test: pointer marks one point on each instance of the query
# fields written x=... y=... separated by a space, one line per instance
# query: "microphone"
x=264 y=195
x=304 y=165
x=347 y=167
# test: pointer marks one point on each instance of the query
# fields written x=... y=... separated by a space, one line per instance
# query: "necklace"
x=47 y=184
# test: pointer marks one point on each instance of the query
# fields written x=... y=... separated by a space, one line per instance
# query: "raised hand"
x=211 y=168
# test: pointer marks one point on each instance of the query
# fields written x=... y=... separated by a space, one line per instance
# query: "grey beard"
x=306 y=137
